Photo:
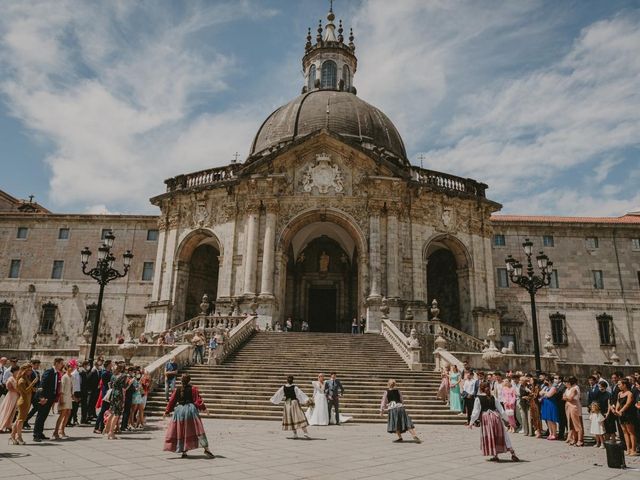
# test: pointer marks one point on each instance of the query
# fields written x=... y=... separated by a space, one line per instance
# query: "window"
x=91 y=313
x=547 y=241
x=56 y=271
x=329 y=74
x=104 y=232
x=499 y=240
x=598 y=279
x=553 y=282
x=635 y=243
x=22 y=232
x=605 y=329
x=152 y=235
x=558 y=328
x=346 y=77
x=147 y=271
x=592 y=242
x=503 y=279
x=311 y=84
x=5 y=316
x=48 y=318
x=14 y=269
x=63 y=234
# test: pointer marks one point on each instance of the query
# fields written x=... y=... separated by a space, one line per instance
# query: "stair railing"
x=444 y=358
x=462 y=340
x=401 y=344
x=236 y=337
x=183 y=355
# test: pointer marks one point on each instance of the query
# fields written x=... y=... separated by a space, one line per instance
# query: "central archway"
x=322 y=270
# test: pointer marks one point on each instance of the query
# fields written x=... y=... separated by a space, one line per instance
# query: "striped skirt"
x=398 y=420
x=185 y=431
x=293 y=417
x=493 y=435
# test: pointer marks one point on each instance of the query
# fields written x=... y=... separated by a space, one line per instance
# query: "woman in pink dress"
x=10 y=402
x=509 y=401
x=443 y=391
x=573 y=409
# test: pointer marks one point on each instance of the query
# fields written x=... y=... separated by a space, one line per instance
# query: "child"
x=597 y=424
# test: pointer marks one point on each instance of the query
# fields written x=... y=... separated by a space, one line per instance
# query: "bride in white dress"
x=318 y=414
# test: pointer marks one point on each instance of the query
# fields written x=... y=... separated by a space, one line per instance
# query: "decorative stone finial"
x=491 y=354
x=340 y=30
x=413 y=341
x=319 y=36
x=435 y=311
x=384 y=308
x=615 y=359
x=408 y=315
x=548 y=346
x=204 y=304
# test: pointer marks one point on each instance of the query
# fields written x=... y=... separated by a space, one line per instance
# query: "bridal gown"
x=319 y=413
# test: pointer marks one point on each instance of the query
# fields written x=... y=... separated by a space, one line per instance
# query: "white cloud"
x=117 y=99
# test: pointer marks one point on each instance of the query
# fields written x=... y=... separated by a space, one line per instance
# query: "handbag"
x=107 y=396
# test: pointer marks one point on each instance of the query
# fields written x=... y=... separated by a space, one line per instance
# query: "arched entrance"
x=197 y=272
x=447 y=266
x=323 y=278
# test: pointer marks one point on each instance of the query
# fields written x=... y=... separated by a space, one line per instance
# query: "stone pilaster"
x=268 y=251
x=250 y=259
x=374 y=248
x=393 y=252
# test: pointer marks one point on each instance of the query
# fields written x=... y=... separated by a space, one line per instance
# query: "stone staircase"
x=242 y=386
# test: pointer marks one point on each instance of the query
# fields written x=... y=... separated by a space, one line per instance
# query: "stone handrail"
x=444 y=181
x=237 y=336
x=208 y=323
x=183 y=355
x=203 y=177
x=411 y=355
x=453 y=336
x=444 y=358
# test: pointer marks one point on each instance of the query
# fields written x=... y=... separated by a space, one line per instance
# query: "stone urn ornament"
x=615 y=359
x=408 y=315
x=204 y=305
x=435 y=311
x=253 y=306
x=492 y=356
x=384 y=308
x=128 y=351
x=413 y=341
x=548 y=346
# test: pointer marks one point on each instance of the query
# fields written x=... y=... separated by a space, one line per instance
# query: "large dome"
x=341 y=113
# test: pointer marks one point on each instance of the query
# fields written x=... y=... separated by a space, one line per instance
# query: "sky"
x=102 y=101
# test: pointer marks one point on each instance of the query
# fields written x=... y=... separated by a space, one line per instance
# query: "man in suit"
x=46 y=397
x=333 y=391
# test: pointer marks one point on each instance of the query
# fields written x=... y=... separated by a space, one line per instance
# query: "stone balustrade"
x=453 y=336
x=208 y=323
x=446 y=182
x=236 y=338
x=183 y=355
x=202 y=178
x=400 y=343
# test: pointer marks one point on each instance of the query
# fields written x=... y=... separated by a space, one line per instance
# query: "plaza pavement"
x=260 y=450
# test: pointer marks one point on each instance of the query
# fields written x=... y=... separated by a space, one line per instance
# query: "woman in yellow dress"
x=25 y=387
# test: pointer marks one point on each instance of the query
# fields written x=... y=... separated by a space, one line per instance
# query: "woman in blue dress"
x=549 y=408
x=455 y=400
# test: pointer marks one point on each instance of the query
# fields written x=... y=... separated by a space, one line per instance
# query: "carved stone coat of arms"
x=323 y=175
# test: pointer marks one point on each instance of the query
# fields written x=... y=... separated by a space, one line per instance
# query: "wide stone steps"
x=241 y=388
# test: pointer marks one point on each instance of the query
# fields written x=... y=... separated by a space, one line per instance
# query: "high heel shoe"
x=12 y=442
x=21 y=442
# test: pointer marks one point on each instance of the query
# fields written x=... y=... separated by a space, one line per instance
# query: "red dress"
x=185 y=432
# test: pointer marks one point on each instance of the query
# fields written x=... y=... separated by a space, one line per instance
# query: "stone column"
x=393 y=252
x=268 y=252
x=250 y=259
x=374 y=248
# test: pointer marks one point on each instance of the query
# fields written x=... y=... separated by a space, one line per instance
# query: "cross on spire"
x=235 y=157
x=31 y=198
x=421 y=157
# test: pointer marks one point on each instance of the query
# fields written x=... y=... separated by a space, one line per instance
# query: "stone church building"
x=324 y=221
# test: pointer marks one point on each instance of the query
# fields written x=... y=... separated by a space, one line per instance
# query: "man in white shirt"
x=77 y=387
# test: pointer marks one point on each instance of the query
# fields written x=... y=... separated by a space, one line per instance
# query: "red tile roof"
x=633 y=218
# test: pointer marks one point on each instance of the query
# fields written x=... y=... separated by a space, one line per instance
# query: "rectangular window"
x=592 y=242
x=558 y=328
x=605 y=329
x=553 y=283
x=598 y=279
x=48 y=318
x=499 y=240
x=104 y=232
x=56 y=271
x=147 y=271
x=22 y=232
x=91 y=313
x=635 y=243
x=63 y=234
x=152 y=235
x=547 y=241
x=14 y=269
x=5 y=316
x=503 y=278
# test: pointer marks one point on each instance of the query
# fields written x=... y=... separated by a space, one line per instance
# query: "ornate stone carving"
x=323 y=175
x=200 y=215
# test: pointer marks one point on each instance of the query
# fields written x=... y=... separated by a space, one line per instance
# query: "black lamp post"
x=103 y=273
x=531 y=283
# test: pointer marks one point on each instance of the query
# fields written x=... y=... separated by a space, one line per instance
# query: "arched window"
x=346 y=77
x=329 y=74
x=312 y=77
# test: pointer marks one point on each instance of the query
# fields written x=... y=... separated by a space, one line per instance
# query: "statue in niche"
x=324 y=262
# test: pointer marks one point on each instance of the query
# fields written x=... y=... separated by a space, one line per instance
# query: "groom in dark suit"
x=333 y=391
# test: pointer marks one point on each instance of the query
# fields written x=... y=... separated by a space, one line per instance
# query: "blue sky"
x=101 y=101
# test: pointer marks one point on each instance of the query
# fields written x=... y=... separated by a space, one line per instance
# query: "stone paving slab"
x=261 y=450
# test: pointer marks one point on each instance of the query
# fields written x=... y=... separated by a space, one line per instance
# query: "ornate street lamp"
x=103 y=273
x=531 y=283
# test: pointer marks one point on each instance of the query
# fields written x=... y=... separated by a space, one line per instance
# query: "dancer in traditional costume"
x=494 y=438
x=186 y=431
x=398 y=421
x=293 y=417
